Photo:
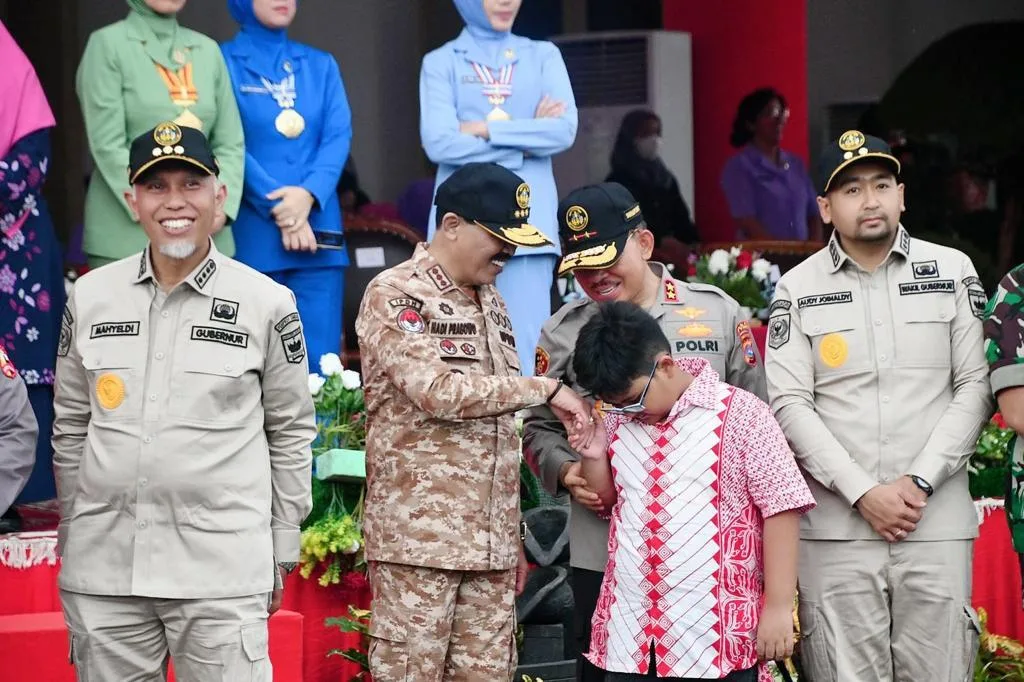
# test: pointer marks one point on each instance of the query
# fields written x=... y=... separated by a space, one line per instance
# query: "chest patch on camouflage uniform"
x=411 y=321
x=462 y=329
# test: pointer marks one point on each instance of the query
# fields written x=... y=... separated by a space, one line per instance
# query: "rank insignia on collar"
x=204 y=275
x=671 y=294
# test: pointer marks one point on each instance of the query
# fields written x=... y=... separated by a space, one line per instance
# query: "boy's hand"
x=575 y=415
x=597 y=447
x=775 y=633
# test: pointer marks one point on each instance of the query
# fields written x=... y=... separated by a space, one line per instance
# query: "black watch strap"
x=922 y=484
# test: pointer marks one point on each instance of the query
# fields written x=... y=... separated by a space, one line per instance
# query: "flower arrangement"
x=999 y=658
x=332 y=535
x=990 y=464
x=742 y=274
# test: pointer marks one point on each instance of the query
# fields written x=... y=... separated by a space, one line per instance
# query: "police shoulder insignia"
x=778 y=331
x=411 y=321
x=671 y=292
x=746 y=338
x=541 y=361
x=7 y=367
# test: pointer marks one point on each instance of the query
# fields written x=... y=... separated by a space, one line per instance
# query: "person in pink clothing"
x=705 y=498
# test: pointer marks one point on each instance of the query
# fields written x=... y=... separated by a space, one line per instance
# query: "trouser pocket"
x=389 y=650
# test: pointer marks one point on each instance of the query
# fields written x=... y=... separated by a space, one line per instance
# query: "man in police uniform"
x=877 y=375
x=18 y=433
x=442 y=379
x=609 y=247
x=182 y=439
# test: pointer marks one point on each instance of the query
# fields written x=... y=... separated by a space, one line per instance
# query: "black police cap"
x=494 y=198
x=170 y=142
x=852 y=147
x=594 y=223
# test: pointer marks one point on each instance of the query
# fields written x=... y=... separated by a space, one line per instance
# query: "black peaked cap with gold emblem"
x=594 y=223
x=852 y=147
x=170 y=142
x=494 y=198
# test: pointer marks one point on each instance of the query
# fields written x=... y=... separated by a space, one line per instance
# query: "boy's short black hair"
x=619 y=344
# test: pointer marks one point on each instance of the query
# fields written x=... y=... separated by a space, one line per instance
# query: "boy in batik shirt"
x=705 y=498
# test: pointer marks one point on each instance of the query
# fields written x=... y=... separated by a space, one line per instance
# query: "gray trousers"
x=129 y=639
x=870 y=610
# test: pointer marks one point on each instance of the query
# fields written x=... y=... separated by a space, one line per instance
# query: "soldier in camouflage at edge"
x=1004 y=350
x=442 y=378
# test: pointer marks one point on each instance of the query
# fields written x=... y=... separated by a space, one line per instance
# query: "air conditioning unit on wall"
x=613 y=73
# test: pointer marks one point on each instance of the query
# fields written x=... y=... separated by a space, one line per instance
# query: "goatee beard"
x=179 y=250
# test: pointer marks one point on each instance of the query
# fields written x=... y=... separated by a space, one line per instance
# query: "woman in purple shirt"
x=769 y=192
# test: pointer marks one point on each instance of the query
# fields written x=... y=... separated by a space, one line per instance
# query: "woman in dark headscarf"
x=298 y=128
x=637 y=164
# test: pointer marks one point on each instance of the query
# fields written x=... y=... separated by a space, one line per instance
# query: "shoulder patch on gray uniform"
x=285 y=321
x=104 y=329
x=979 y=301
x=972 y=282
x=64 y=344
x=778 y=331
x=928 y=269
x=228 y=337
x=294 y=348
x=832 y=298
x=938 y=286
x=779 y=304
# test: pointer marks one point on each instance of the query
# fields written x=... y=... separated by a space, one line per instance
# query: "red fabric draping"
x=316 y=604
x=996 y=583
x=750 y=45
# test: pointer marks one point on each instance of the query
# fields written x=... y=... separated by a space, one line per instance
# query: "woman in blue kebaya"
x=493 y=96
x=298 y=128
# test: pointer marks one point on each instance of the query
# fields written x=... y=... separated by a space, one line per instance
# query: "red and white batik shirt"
x=685 y=563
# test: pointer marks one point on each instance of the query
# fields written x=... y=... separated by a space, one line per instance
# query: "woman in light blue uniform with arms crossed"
x=298 y=130
x=493 y=96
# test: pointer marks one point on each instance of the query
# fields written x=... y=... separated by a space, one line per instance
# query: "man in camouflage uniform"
x=608 y=246
x=1004 y=350
x=442 y=381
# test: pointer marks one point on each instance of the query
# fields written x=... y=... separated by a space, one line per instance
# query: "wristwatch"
x=922 y=484
x=288 y=566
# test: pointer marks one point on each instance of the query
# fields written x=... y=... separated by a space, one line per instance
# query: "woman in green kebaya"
x=136 y=73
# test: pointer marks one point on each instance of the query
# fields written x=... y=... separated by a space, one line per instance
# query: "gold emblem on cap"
x=851 y=140
x=167 y=134
x=109 y=391
x=523 y=195
x=577 y=218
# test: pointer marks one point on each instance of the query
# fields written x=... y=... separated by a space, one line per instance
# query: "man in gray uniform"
x=609 y=247
x=18 y=433
x=877 y=375
x=181 y=440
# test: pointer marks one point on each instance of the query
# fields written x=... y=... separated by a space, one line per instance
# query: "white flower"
x=316 y=382
x=350 y=379
x=734 y=252
x=760 y=269
x=32 y=334
x=330 y=364
x=351 y=549
x=718 y=262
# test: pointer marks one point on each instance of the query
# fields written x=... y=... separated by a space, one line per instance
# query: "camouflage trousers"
x=432 y=625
